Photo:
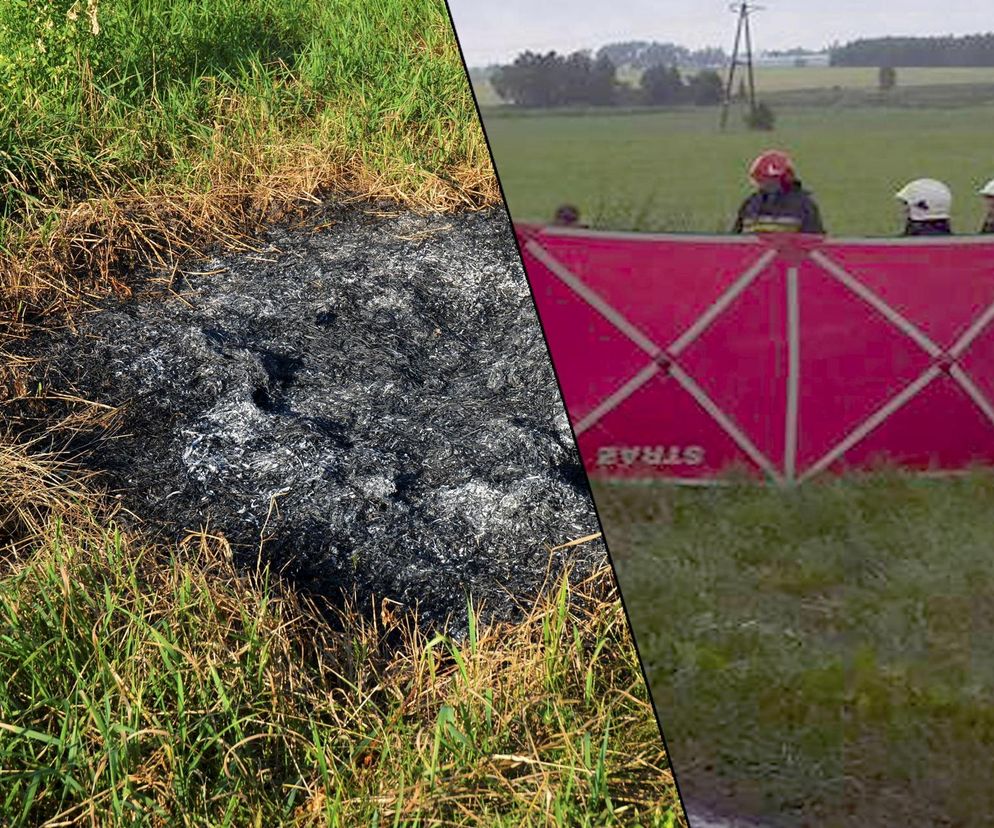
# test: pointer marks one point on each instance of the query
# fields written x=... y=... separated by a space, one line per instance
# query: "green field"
x=823 y=656
x=675 y=171
x=771 y=79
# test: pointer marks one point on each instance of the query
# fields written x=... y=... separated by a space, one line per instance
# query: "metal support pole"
x=731 y=71
x=752 y=78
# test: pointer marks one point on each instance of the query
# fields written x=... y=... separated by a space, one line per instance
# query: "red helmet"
x=772 y=165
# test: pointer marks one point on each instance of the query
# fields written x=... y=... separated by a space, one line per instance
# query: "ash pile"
x=369 y=403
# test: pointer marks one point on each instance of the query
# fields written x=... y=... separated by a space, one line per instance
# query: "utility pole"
x=743 y=10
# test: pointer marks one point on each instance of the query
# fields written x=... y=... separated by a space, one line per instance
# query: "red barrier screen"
x=782 y=356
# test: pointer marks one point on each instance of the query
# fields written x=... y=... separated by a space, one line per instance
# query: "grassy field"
x=788 y=78
x=675 y=171
x=149 y=686
x=823 y=656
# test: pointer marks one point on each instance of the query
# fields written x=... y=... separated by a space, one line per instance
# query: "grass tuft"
x=143 y=690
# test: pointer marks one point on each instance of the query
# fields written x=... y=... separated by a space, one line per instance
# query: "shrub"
x=761 y=118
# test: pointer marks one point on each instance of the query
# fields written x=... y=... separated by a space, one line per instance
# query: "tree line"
x=580 y=79
x=968 y=50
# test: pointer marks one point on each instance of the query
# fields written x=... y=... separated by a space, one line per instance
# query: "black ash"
x=371 y=404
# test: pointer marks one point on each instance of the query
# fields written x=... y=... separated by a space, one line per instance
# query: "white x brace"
x=663 y=359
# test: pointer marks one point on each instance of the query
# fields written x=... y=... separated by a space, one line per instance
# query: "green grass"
x=140 y=689
x=823 y=656
x=169 y=89
x=124 y=120
x=674 y=171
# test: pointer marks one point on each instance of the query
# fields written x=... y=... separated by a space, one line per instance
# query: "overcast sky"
x=494 y=31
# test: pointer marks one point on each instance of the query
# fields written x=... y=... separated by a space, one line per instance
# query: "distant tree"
x=761 y=118
x=664 y=54
x=662 y=86
x=887 y=77
x=530 y=81
x=642 y=54
x=574 y=79
x=623 y=54
x=625 y=94
x=603 y=84
x=550 y=80
x=706 y=88
x=709 y=57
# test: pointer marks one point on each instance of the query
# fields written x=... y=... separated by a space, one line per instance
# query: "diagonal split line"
x=723 y=301
x=793 y=373
x=972 y=391
x=593 y=299
x=724 y=421
x=972 y=333
x=872 y=422
x=618 y=397
x=896 y=319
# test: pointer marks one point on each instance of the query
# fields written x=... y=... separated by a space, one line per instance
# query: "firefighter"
x=927 y=207
x=988 y=193
x=780 y=204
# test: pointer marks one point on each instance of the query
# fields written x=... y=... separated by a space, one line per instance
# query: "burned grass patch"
x=366 y=407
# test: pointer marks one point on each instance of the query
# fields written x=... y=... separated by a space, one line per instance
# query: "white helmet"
x=987 y=189
x=927 y=199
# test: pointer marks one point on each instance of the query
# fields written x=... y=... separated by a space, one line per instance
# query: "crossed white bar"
x=943 y=362
x=664 y=358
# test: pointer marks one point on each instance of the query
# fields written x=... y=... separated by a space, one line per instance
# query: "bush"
x=761 y=118
x=887 y=77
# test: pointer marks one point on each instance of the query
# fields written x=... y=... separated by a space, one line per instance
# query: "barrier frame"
x=791 y=250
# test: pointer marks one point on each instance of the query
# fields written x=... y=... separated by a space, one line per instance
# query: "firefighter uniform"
x=938 y=227
x=987 y=191
x=789 y=210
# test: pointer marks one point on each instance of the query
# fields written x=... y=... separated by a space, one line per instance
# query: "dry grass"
x=93 y=248
x=33 y=488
